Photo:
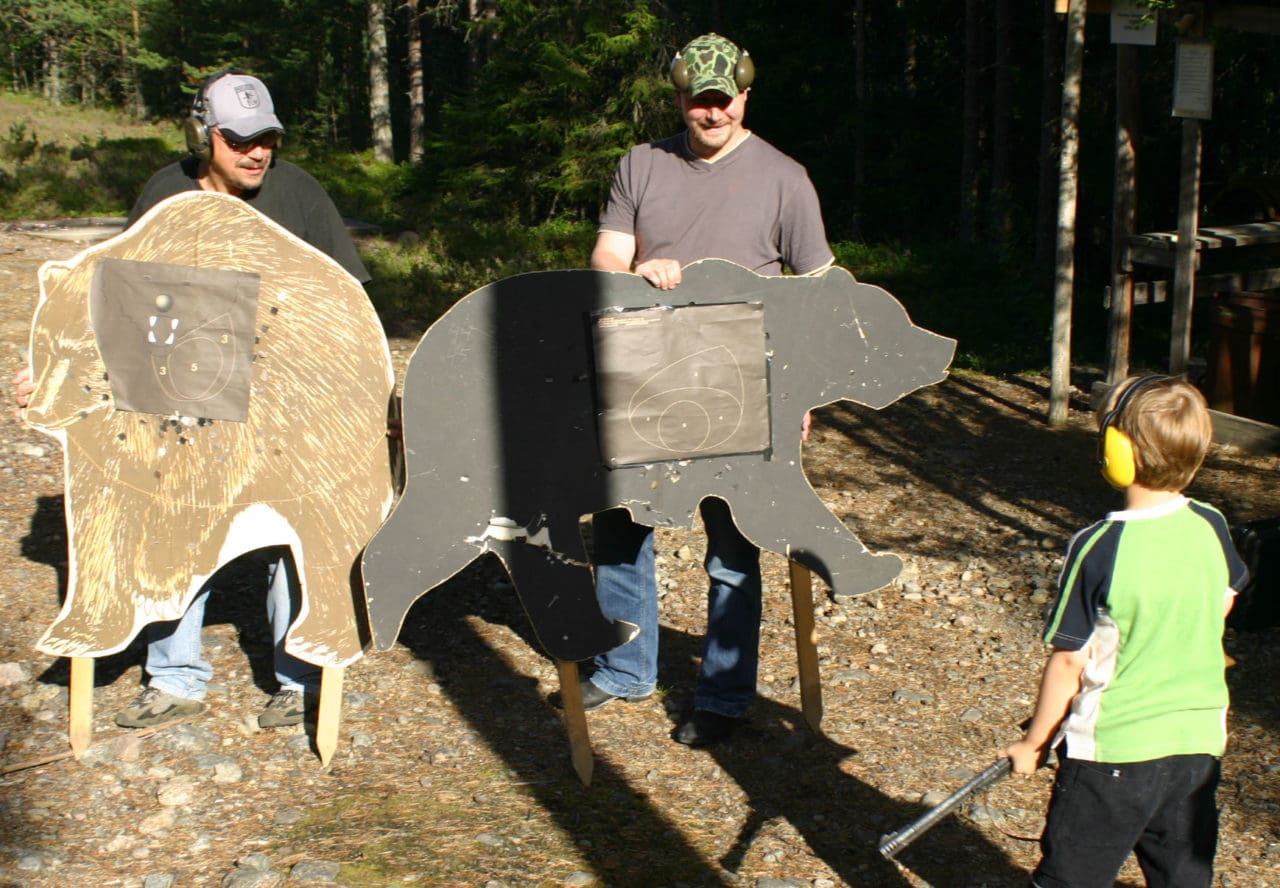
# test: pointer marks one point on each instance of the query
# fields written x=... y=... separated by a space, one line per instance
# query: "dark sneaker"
x=286 y=708
x=705 y=728
x=593 y=697
x=155 y=707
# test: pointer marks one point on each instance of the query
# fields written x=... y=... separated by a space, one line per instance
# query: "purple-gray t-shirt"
x=755 y=206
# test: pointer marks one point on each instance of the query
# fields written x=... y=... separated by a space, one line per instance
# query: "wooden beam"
x=1215 y=237
x=1149 y=292
x=1184 y=266
x=81 y=714
x=1068 y=192
x=806 y=645
x=575 y=720
x=1123 y=212
x=328 y=713
x=1245 y=433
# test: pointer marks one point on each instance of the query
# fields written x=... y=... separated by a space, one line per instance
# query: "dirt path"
x=453 y=770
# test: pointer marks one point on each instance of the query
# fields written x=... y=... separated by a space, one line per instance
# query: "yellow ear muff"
x=1118 y=464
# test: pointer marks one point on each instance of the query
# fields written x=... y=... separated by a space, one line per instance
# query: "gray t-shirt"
x=755 y=206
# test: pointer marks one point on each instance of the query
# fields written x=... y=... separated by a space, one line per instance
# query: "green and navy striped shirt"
x=1147 y=592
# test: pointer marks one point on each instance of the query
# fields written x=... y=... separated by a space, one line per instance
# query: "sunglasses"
x=267 y=140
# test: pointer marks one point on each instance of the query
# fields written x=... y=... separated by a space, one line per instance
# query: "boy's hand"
x=1025 y=756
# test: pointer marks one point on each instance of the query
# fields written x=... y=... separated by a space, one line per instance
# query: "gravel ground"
x=454 y=770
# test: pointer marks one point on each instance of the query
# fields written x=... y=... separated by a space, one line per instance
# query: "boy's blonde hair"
x=1168 y=423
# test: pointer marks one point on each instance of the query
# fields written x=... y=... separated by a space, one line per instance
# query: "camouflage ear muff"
x=1116 y=456
x=715 y=59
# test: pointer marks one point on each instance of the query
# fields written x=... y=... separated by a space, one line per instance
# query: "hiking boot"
x=287 y=707
x=593 y=697
x=155 y=707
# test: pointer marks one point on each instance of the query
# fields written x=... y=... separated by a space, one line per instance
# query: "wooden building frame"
x=1178 y=251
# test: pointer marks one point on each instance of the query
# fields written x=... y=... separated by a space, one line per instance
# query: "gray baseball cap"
x=241 y=107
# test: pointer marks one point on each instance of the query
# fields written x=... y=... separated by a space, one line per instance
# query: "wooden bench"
x=1157 y=249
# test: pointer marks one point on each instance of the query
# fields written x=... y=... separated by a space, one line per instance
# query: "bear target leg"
x=328 y=713
x=80 y=717
x=806 y=645
x=575 y=720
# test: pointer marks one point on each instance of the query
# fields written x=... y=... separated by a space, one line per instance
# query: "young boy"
x=1136 y=679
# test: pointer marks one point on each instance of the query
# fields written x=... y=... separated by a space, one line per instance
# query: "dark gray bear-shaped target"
x=503 y=451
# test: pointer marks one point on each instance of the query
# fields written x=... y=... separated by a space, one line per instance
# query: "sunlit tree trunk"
x=379 y=91
x=417 y=91
x=51 y=68
x=1068 y=186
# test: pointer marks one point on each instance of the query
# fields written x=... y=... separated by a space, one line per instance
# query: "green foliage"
x=561 y=97
x=100 y=178
x=995 y=310
x=414 y=282
x=360 y=186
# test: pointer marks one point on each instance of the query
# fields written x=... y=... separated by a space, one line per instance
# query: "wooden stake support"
x=329 y=714
x=81 y=714
x=806 y=645
x=575 y=720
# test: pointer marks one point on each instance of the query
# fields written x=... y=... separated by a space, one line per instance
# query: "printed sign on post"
x=1193 y=80
x=1128 y=24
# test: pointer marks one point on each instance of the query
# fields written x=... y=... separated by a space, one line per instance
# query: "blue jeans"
x=627 y=589
x=174 y=659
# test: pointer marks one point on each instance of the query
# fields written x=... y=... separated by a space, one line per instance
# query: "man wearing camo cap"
x=715 y=190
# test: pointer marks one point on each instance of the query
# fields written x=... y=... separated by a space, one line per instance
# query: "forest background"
x=481 y=135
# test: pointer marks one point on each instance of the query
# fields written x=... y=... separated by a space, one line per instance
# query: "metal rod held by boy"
x=890 y=845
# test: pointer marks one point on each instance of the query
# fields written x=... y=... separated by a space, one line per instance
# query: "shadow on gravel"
x=786 y=771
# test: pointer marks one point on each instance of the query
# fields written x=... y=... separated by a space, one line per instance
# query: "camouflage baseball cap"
x=711 y=62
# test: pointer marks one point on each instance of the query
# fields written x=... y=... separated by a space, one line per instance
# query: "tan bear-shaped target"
x=160 y=494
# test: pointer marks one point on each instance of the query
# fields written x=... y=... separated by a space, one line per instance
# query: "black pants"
x=1164 y=811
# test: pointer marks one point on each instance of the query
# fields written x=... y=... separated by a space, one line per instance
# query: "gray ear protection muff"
x=195 y=129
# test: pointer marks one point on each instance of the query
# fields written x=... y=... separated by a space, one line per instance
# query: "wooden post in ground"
x=1068 y=189
x=1123 y=214
x=329 y=712
x=806 y=645
x=80 y=716
x=575 y=720
x=1185 y=260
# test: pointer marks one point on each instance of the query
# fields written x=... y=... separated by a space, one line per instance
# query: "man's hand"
x=22 y=389
x=665 y=274
x=614 y=251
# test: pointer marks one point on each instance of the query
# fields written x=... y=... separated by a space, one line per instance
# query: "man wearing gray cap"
x=232 y=135
x=715 y=190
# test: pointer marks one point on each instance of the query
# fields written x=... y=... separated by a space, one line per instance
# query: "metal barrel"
x=890 y=845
